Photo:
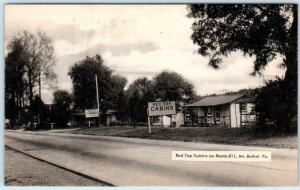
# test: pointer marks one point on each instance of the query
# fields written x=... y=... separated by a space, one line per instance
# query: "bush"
x=273 y=107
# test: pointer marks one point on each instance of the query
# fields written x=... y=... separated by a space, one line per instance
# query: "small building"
x=78 y=118
x=233 y=110
x=111 y=117
x=168 y=121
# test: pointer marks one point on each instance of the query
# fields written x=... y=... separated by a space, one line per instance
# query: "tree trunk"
x=40 y=86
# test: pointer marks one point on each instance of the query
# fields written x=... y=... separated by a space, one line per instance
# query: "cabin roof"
x=215 y=100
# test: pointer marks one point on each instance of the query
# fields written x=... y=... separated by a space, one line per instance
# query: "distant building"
x=112 y=116
x=221 y=110
x=168 y=121
x=78 y=118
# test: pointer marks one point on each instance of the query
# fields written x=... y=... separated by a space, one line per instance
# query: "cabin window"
x=244 y=107
x=209 y=111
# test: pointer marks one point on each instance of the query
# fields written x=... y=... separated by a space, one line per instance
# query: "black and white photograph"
x=150 y=95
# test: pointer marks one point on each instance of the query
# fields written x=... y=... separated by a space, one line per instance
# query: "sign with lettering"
x=161 y=108
x=91 y=113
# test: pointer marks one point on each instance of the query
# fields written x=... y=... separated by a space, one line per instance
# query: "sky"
x=135 y=41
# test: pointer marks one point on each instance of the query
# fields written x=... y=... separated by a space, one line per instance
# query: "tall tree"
x=41 y=56
x=139 y=93
x=173 y=87
x=15 y=85
x=265 y=31
x=36 y=58
x=84 y=89
x=30 y=57
x=118 y=96
x=83 y=79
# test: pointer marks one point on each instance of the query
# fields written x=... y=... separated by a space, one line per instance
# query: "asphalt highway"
x=23 y=170
x=141 y=162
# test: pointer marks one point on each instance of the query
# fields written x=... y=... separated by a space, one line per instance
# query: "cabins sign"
x=161 y=108
x=91 y=113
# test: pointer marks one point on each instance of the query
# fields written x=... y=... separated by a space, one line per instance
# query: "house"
x=229 y=110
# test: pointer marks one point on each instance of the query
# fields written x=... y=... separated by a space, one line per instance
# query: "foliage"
x=265 y=31
x=273 y=110
x=166 y=86
x=15 y=83
x=260 y=30
x=83 y=79
x=118 y=96
x=139 y=93
x=30 y=57
x=39 y=112
x=62 y=106
x=170 y=86
x=110 y=86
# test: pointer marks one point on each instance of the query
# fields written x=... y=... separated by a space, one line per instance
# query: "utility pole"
x=98 y=104
x=40 y=96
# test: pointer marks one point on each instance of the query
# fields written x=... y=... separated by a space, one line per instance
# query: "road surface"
x=141 y=162
x=23 y=170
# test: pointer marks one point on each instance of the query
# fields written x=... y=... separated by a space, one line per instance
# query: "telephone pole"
x=98 y=104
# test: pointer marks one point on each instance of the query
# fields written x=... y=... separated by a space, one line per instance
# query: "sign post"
x=149 y=125
x=90 y=113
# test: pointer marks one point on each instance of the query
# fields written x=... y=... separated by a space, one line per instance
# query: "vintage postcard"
x=151 y=94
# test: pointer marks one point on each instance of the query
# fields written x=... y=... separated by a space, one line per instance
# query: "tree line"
x=31 y=59
x=131 y=104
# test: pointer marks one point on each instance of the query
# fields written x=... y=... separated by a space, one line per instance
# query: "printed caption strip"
x=230 y=156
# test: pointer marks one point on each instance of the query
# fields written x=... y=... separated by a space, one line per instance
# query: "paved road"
x=137 y=162
x=23 y=170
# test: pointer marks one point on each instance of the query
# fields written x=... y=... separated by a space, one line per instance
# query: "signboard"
x=91 y=113
x=161 y=108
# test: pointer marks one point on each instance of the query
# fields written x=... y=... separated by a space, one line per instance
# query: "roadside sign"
x=91 y=113
x=161 y=108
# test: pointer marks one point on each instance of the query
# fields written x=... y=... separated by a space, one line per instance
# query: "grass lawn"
x=237 y=136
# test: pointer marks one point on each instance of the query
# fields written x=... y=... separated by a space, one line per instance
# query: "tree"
x=269 y=104
x=119 y=102
x=139 y=93
x=14 y=81
x=39 y=112
x=30 y=56
x=170 y=86
x=84 y=90
x=83 y=79
x=265 y=31
x=39 y=57
x=62 y=102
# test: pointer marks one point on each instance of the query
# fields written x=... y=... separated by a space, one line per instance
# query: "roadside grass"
x=235 y=136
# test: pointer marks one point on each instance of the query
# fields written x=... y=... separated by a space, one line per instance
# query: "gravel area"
x=22 y=170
